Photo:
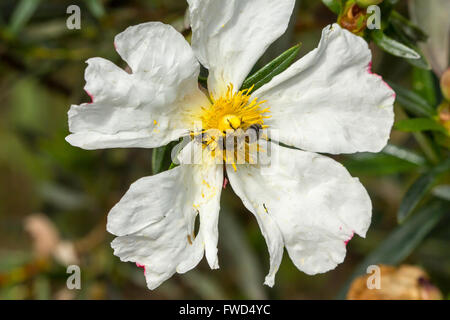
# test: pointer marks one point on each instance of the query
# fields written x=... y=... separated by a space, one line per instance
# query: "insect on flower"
x=326 y=102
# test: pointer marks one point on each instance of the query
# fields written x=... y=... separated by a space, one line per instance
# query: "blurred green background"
x=54 y=198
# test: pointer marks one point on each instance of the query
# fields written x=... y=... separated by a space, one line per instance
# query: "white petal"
x=314 y=201
x=267 y=224
x=329 y=101
x=144 y=109
x=230 y=36
x=155 y=221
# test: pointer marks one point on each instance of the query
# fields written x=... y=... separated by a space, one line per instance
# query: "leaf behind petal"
x=273 y=68
x=392 y=46
x=418 y=124
x=419 y=189
x=22 y=14
x=412 y=102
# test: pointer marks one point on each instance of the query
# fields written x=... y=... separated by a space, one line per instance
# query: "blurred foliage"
x=41 y=74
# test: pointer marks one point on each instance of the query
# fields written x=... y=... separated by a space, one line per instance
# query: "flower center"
x=233 y=111
x=230 y=126
x=229 y=122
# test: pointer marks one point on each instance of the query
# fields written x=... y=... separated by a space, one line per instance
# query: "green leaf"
x=333 y=5
x=412 y=102
x=22 y=14
x=401 y=242
x=422 y=62
x=400 y=35
x=158 y=159
x=418 y=124
x=424 y=85
x=273 y=68
x=162 y=156
x=392 y=46
x=96 y=8
x=404 y=154
x=406 y=27
x=419 y=189
x=173 y=165
x=378 y=164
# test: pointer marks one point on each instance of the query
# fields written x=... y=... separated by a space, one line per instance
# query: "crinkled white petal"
x=313 y=200
x=230 y=36
x=155 y=221
x=267 y=224
x=144 y=109
x=329 y=101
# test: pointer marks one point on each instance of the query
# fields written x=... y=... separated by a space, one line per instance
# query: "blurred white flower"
x=433 y=18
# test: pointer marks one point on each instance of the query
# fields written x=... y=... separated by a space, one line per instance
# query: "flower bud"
x=395 y=283
x=366 y=3
x=353 y=18
x=445 y=84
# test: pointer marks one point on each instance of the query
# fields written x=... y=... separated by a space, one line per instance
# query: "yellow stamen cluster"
x=233 y=111
x=227 y=119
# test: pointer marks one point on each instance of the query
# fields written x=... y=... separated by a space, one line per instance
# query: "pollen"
x=229 y=122
x=226 y=119
x=234 y=111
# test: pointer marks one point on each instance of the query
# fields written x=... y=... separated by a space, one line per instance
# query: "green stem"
x=423 y=142
x=426 y=147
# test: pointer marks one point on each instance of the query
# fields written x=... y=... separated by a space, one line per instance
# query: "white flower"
x=328 y=101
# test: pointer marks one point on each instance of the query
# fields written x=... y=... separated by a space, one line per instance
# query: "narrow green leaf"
x=96 y=8
x=273 y=68
x=422 y=62
x=412 y=102
x=401 y=242
x=404 y=154
x=401 y=36
x=22 y=14
x=424 y=85
x=429 y=148
x=377 y=164
x=333 y=5
x=418 y=124
x=406 y=27
x=161 y=157
x=392 y=46
x=158 y=159
x=419 y=189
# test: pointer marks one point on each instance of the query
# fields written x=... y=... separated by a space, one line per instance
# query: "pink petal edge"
x=90 y=96
x=369 y=70
x=351 y=237
x=140 y=266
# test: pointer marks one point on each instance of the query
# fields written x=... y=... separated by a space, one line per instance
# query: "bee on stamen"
x=256 y=128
